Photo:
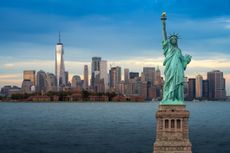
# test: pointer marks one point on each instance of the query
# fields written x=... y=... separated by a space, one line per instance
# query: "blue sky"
x=124 y=32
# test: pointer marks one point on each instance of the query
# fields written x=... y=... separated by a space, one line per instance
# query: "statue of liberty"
x=175 y=65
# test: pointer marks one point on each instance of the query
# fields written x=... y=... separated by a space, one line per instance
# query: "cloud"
x=29 y=64
x=211 y=63
x=10 y=79
x=10 y=76
x=9 y=66
x=225 y=21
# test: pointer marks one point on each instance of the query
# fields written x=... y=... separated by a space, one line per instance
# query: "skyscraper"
x=59 y=64
x=149 y=73
x=29 y=75
x=216 y=85
x=26 y=86
x=115 y=78
x=205 y=89
x=126 y=75
x=76 y=82
x=66 y=77
x=199 y=86
x=158 y=77
x=191 y=88
x=133 y=75
x=149 y=77
x=86 y=77
x=95 y=71
x=51 y=82
x=104 y=76
x=41 y=82
x=95 y=64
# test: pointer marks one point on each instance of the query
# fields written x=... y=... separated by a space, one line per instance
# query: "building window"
x=172 y=123
x=166 y=124
x=178 y=123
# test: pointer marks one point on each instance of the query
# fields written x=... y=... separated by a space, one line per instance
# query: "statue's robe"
x=175 y=64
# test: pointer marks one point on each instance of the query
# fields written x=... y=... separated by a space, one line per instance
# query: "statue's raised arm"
x=163 y=19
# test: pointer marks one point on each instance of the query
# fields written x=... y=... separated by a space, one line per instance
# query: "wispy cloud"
x=10 y=76
x=224 y=21
x=10 y=79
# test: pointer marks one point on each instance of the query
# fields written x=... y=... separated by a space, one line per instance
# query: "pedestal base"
x=172 y=130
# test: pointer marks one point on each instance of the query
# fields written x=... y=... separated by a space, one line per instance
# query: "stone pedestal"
x=172 y=130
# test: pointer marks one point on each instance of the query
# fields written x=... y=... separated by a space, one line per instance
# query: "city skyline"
x=132 y=31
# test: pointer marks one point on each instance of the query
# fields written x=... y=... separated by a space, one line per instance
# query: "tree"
x=111 y=95
x=85 y=94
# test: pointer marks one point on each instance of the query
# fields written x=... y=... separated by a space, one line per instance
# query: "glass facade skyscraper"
x=95 y=71
x=29 y=75
x=86 y=77
x=59 y=65
x=115 y=78
x=104 y=76
x=199 y=86
x=216 y=85
x=149 y=73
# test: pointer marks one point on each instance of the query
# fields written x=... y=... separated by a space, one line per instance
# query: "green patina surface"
x=175 y=64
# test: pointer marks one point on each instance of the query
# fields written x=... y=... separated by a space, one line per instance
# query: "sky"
x=126 y=33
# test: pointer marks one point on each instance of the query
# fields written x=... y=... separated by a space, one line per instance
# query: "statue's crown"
x=174 y=35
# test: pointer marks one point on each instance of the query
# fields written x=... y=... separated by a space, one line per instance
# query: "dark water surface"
x=104 y=127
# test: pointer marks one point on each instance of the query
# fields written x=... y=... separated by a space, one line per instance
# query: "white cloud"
x=10 y=76
x=10 y=79
x=225 y=21
x=227 y=26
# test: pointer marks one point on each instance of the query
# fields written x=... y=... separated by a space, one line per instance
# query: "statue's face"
x=173 y=40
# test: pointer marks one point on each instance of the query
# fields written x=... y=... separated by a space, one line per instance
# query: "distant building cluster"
x=213 y=88
x=148 y=84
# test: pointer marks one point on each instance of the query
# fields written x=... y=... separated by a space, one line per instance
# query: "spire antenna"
x=59 y=37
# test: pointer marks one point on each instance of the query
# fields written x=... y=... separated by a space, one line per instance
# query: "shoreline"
x=103 y=101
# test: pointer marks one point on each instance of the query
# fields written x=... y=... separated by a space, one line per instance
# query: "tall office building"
x=59 y=64
x=95 y=64
x=29 y=75
x=149 y=73
x=131 y=87
x=205 y=89
x=86 y=77
x=95 y=71
x=41 y=82
x=191 y=88
x=136 y=87
x=26 y=86
x=216 y=85
x=122 y=88
x=115 y=78
x=133 y=75
x=199 y=86
x=51 y=82
x=103 y=76
x=66 y=77
x=126 y=75
x=158 y=80
x=76 y=82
